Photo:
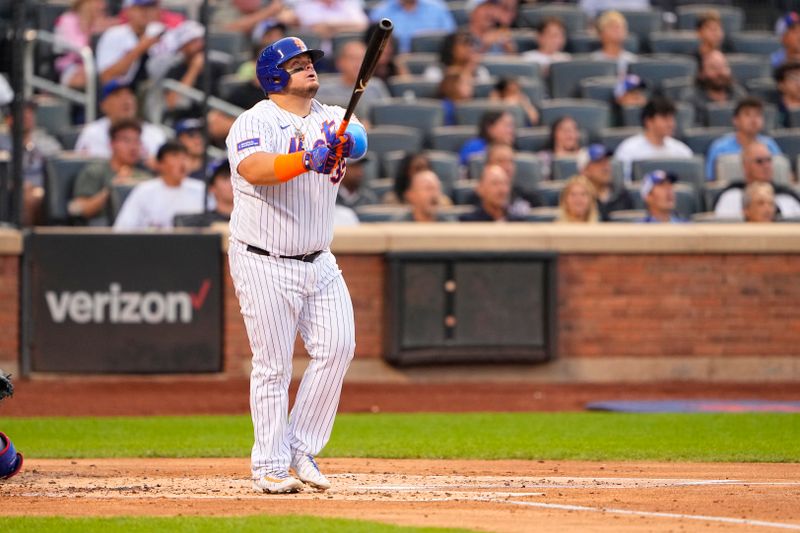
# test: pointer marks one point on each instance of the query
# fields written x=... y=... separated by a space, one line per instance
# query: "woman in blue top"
x=495 y=127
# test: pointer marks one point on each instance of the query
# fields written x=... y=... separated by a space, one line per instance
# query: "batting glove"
x=321 y=159
x=343 y=145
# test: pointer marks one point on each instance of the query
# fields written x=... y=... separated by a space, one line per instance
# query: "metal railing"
x=197 y=95
x=32 y=81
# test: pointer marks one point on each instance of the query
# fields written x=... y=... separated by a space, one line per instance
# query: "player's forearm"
x=247 y=23
x=271 y=169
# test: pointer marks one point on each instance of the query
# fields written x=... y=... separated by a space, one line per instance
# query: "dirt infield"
x=507 y=496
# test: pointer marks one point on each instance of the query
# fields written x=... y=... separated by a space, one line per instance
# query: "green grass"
x=587 y=436
x=194 y=524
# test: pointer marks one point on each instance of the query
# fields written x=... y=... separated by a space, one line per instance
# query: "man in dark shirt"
x=594 y=162
x=494 y=191
x=221 y=189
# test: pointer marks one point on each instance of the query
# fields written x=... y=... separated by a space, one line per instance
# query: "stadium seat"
x=418 y=62
x=525 y=39
x=673 y=42
x=584 y=43
x=531 y=15
x=528 y=170
x=643 y=22
x=69 y=136
x=229 y=83
x=381 y=186
x=628 y=215
x=451 y=138
x=510 y=66
x=460 y=11
x=591 y=116
x=699 y=139
x=732 y=16
x=721 y=115
x=470 y=113
x=549 y=191
x=677 y=89
x=384 y=139
x=729 y=168
x=763 y=88
x=711 y=192
x=599 y=88
x=53 y=114
x=542 y=214
x=656 y=69
x=61 y=171
x=794 y=119
x=416 y=85
x=688 y=170
x=230 y=42
x=565 y=76
x=563 y=168
x=444 y=164
x=746 y=67
x=428 y=41
x=382 y=213
x=789 y=141
x=464 y=192
x=612 y=137
x=532 y=139
x=424 y=114
x=761 y=43
x=344 y=37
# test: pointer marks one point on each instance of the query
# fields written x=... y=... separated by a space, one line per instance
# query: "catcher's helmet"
x=268 y=67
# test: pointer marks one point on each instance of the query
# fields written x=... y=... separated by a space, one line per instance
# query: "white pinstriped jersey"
x=295 y=217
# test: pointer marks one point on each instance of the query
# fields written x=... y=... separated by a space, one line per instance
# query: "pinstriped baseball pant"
x=279 y=297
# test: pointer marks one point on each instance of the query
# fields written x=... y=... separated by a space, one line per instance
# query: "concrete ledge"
x=10 y=241
x=584 y=370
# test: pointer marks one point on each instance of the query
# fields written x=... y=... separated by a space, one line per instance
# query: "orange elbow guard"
x=288 y=166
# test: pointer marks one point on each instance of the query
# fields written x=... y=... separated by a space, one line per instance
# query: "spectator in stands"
x=123 y=50
x=170 y=19
x=748 y=121
x=565 y=141
x=494 y=192
x=658 y=194
x=551 y=39
x=787 y=77
x=714 y=84
x=221 y=190
x=154 y=203
x=594 y=162
x=758 y=202
x=92 y=190
x=264 y=33
x=242 y=16
x=353 y=192
x=577 y=202
x=509 y=91
x=522 y=200
x=78 y=26
x=219 y=125
x=612 y=28
x=326 y=18
x=117 y=102
x=459 y=51
x=788 y=28
x=338 y=90
x=630 y=91
x=411 y=17
x=423 y=193
x=38 y=145
x=409 y=165
x=389 y=63
x=189 y=132
x=456 y=86
x=491 y=29
x=494 y=127
x=656 y=141
x=757 y=167
x=710 y=34
x=593 y=7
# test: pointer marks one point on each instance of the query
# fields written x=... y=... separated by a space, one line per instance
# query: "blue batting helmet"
x=268 y=66
x=10 y=458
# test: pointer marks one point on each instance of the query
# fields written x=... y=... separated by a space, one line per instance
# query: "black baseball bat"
x=374 y=50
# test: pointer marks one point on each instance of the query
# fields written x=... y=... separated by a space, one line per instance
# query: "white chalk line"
x=703 y=518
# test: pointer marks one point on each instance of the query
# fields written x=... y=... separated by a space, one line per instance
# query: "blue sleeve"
x=472 y=146
x=773 y=146
x=713 y=153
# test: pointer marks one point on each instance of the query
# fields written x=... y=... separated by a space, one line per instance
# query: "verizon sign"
x=122 y=303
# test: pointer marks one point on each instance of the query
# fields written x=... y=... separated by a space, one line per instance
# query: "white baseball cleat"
x=277 y=483
x=307 y=470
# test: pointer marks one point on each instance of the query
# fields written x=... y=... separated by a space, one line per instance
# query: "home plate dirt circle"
x=484 y=495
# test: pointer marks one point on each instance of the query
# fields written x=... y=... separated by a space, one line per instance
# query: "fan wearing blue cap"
x=594 y=162
x=788 y=27
x=658 y=195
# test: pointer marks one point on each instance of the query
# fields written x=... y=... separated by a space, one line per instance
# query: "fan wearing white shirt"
x=154 y=203
x=656 y=141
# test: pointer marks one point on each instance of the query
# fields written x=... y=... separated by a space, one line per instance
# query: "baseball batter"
x=286 y=166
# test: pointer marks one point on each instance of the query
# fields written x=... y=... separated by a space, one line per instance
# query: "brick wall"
x=9 y=308
x=679 y=305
